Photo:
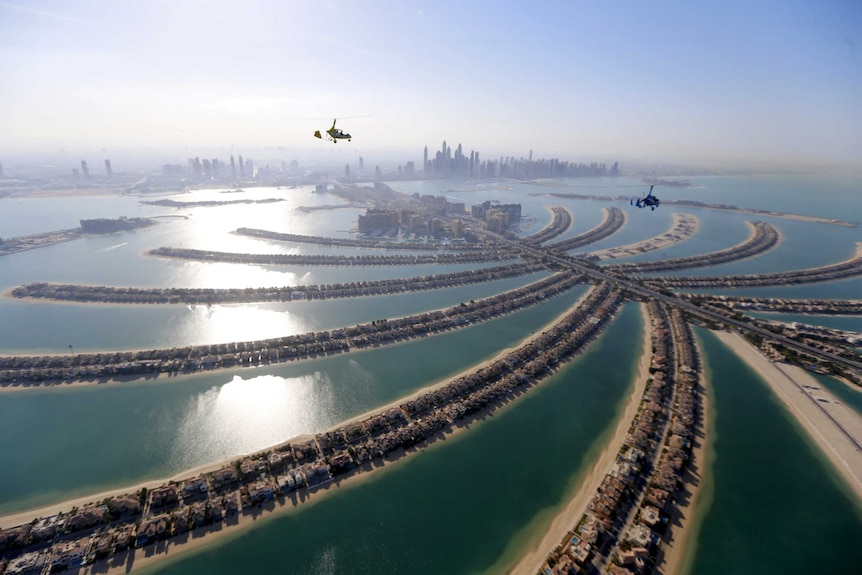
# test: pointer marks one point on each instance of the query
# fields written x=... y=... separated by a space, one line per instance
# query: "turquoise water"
x=846 y=394
x=777 y=506
x=134 y=431
x=51 y=328
x=148 y=430
x=461 y=505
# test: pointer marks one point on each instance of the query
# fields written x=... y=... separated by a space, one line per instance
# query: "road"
x=636 y=288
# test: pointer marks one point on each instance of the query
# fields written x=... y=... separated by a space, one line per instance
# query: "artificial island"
x=627 y=517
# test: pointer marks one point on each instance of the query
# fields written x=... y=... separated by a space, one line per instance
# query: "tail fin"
x=317 y=134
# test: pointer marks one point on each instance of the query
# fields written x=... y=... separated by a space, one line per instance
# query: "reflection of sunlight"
x=232 y=276
x=224 y=323
x=248 y=415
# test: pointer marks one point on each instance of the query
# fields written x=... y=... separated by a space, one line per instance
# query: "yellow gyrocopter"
x=333 y=134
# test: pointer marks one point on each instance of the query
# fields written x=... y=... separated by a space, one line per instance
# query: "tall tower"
x=241 y=168
x=346 y=170
x=108 y=169
x=425 y=161
x=232 y=167
x=1 y=169
x=84 y=169
x=361 y=164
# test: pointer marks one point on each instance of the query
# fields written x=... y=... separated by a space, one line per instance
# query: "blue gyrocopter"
x=648 y=201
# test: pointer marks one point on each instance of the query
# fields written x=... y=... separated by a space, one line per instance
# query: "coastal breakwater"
x=703 y=205
x=23 y=371
x=114 y=528
x=763 y=238
x=208 y=296
x=169 y=203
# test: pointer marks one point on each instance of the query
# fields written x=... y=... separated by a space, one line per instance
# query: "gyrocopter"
x=648 y=201
x=333 y=134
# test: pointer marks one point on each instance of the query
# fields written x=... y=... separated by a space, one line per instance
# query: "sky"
x=771 y=81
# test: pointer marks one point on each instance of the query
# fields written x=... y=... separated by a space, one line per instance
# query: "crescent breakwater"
x=763 y=238
x=208 y=296
x=289 y=473
x=329 y=260
x=697 y=204
x=29 y=371
x=848 y=268
x=167 y=202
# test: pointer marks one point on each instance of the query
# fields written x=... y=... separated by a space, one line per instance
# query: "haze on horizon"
x=776 y=82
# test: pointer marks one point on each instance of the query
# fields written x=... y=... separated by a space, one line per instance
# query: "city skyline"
x=774 y=84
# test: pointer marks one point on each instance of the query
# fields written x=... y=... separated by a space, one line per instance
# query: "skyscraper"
x=108 y=169
x=1 y=169
x=84 y=169
x=241 y=168
x=425 y=161
x=232 y=167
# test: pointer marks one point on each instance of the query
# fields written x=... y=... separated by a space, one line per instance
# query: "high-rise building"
x=241 y=168
x=232 y=167
x=1 y=169
x=361 y=164
x=208 y=169
x=108 y=171
x=346 y=170
x=84 y=169
x=425 y=161
x=196 y=167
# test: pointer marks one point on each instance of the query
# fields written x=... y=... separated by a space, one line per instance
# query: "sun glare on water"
x=246 y=415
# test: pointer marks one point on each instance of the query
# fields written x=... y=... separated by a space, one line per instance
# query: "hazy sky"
x=689 y=80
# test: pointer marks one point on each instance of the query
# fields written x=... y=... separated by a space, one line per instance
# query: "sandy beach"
x=208 y=536
x=569 y=516
x=836 y=429
x=683 y=227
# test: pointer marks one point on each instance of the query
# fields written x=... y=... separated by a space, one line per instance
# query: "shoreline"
x=659 y=242
x=532 y=558
x=832 y=427
x=25 y=516
x=683 y=522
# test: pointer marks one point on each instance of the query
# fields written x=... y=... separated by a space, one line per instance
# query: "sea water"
x=123 y=422
x=772 y=502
